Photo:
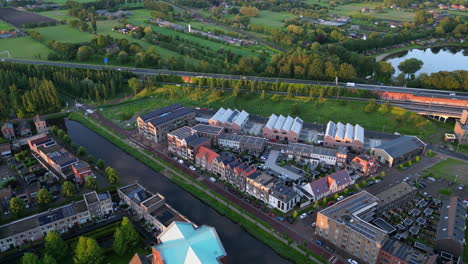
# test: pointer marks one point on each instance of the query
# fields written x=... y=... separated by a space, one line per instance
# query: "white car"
x=340 y=198
x=461 y=186
x=406 y=179
x=192 y=168
x=181 y=161
x=303 y=215
x=377 y=181
x=352 y=261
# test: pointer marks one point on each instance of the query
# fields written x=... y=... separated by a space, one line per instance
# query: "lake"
x=435 y=59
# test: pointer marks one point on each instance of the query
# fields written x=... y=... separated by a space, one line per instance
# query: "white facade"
x=281 y=205
x=231 y=142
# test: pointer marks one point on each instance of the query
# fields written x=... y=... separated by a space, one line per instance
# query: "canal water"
x=240 y=246
x=435 y=59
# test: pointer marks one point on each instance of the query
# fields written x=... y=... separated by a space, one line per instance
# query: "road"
x=142 y=71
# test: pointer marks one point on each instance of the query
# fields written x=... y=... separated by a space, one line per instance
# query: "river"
x=435 y=59
x=240 y=246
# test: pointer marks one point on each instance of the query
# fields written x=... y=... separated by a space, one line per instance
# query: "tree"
x=249 y=11
x=370 y=106
x=91 y=183
x=88 y=251
x=90 y=158
x=134 y=84
x=112 y=176
x=29 y=258
x=82 y=151
x=84 y=53
x=66 y=140
x=125 y=237
x=132 y=236
x=386 y=107
x=17 y=206
x=295 y=214
x=48 y=259
x=410 y=66
x=100 y=164
x=55 y=247
x=44 y=197
x=383 y=174
x=262 y=95
x=68 y=189
x=347 y=72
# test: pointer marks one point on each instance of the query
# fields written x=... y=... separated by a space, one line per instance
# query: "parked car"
x=352 y=261
x=330 y=203
x=212 y=179
x=193 y=168
x=461 y=186
x=314 y=224
x=281 y=219
x=181 y=161
x=319 y=243
x=304 y=215
x=406 y=179
x=340 y=198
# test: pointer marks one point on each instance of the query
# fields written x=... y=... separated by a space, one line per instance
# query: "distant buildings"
x=59 y=219
x=233 y=121
x=282 y=128
x=8 y=131
x=155 y=125
x=364 y=165
x=185 y=144
x=150 y=207
x=185 y=243
x=328 y=185
x=40 y=124
x=398 y=150
x=222 y=163
x=461 y=128
x=237 y=172
x=344 y=135
x=450 y=236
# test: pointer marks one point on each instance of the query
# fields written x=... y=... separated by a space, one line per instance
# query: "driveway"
x=271 y=163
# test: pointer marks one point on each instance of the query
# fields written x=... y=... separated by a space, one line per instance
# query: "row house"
x=259 y=185
x=24 y=129
x=280 y=128
x=205 y=158
x=364 y=165
x=8 y=131
x=328 y=185
x=221 y=164
x=183 y=143
x=40 y=124
x=242 y=143
x=344 y=135
x=81 y=170
x=156 y=124
x=61 y=220
x=237 y=173
x=150 y=207
x=282 y=197
x=316 y=155
x=211 y=132
x=233 y=121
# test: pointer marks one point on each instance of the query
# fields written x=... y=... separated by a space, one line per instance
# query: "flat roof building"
x=450 y=236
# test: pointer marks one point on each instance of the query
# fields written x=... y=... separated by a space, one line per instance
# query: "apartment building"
x=394 y=251
x=313 y=154
x=233 y=121
x=280 y=128
x=205 y=158
x=450 y=236
x=328 y=185
x=221 y=164
x=364 y=165
x=338 y=134
x=185 y=144
x=282 y=197
x=61 y=220
x=40 y=124
x=237 y=172
x=259 y=185
x=81 y=170
x=156 y=124
x=211 y=132
x=461 y=128
x=24 y=128
x=395 y=196
x=150 y=207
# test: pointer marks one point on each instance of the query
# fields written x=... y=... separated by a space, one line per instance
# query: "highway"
x=143 y=71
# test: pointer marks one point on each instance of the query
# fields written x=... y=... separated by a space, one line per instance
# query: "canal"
x=240 y=246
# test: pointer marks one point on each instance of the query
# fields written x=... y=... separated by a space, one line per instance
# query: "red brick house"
x=280 y=128
x=233 y=121
x=365 y=165
x=8 y=131
x=81 y=170
x=338 y=134
x=204 y=158
x=40 y=124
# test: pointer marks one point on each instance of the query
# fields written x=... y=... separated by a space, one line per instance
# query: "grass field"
x=56 y=14
x=4 y=26
x=62 y=2
x=25 y=48
x=64 y=33
x=387 y=14
x=451 y=170
x=398 y=119
x=270 y=18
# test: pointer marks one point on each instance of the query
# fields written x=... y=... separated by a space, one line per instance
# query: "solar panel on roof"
x=68 y=211
x=165 y=216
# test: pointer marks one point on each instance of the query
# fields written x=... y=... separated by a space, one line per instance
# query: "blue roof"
x=182 y=243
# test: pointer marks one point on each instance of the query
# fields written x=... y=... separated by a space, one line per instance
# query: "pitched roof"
x=230 y=116
x=341 y=132
x=208 y=153
x=182 y=243
x=452 y=220
x=309 y=149
x=322 y=185
x=402 y=145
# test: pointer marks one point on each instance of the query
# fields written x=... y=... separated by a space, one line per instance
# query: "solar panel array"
x=159 y=112
x=354 y=204
x=165 y=217
x=173 y=115
x=68 y=210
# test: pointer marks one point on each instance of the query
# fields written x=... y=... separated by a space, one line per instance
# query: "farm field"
x=139 y=16
x=64 y=33
x=387 y=14
x=56 y=14
x=270 y=18
x=19 y=18
x=451 y=170
x=398 y=119
x=62 y=2
x=25 y=48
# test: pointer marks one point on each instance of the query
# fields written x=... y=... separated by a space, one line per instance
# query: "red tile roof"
x=208 y=153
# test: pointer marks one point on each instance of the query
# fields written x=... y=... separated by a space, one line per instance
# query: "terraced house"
x=280 y=128
x=344 y=135
x=205 y=158
x=233 y=121
x=221 y=164
x=328 y=185
x=314 y=154
x=156 y=124
x=238 y=172
x=185 y=144
x=259 y=185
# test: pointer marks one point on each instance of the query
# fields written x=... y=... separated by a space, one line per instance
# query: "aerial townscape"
x=216 y=132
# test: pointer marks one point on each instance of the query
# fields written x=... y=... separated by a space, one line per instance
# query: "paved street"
x=271 y=163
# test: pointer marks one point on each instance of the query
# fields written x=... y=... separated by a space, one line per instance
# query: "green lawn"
x=450 y=169
x=62 y=2
x=56 y=14
x=399 y=120
x=387 y=14
x=270 y=18
x=64 y=33
x=4 y=26
x=24 y=48
x=139 y=16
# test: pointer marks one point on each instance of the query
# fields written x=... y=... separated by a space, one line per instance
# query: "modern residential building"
x=394 y=251
x=8 y=131
x=24 y=129
x=312 y=154
x=461 y=128
x=52 y=156
x=98 y=204
x=221 y=164
x=450 y=236
x=205 y=158
x=282 y=197
x=156 y=124
x=347 y=225
x=344 y=135
x=40 y=124
x=395 y=196
x=398 y=150
x=328 y=185
x=233 y=121
x=259 y=185
x=150 y=207
x=61 y=219
x=185 y=144
x=186 y=243
x=280 y=128
x=81 y=170
x=237 y=173
x=211 y=132
x=242 y=143
x=364 y=165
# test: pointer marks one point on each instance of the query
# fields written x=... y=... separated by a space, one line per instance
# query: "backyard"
x=309 y=110
x=451 y=170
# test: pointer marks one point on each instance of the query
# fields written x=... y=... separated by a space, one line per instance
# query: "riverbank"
x=259 y=229
x=394 y=51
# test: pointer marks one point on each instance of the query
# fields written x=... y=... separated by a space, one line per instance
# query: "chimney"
x=464 y=117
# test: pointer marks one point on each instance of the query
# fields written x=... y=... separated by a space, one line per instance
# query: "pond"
x=435 y=59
